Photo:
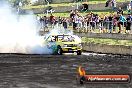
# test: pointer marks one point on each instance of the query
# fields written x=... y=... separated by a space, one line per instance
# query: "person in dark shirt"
x=110 y=19
x=51 y=17
x=64 y=23
x=52 y=20
x=72 y=13
x=118 y=22
x=59 y=21
x=128 y=23
x=120 y=11
x=107 y=3
x=115 y=21
x=45 y=22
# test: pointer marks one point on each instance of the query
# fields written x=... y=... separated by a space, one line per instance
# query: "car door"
x=51 y=43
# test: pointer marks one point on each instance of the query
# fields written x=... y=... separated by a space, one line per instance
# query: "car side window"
x=51 y=39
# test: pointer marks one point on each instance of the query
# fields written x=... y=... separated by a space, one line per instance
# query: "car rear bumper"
x=71 y=49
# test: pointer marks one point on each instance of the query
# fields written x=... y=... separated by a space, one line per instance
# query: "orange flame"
x=81 y=71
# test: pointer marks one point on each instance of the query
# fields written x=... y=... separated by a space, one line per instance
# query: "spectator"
x=80 y=19
x=115 y=21
x=120 y=11
x=101 y=25
x=113 y=5
x=97 y=18
x=129 y=8
x=106 y=22
x=76 y=11
x=107 y=3
x=110 y=23
x=72 y=13
x=60 y=21
x=75 y=23
x=92 y=21
x=128 y=23
x=84 y=22
x=64 y=22
x=45 y=22
x=52 y=20
x=122 y=22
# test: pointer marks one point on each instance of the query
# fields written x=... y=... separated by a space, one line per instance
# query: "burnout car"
x=64 y=44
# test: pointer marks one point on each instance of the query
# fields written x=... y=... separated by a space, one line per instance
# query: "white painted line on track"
x=93 y=54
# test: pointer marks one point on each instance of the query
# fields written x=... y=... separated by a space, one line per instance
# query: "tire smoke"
x=18 y=34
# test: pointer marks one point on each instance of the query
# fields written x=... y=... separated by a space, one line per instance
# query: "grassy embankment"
x=66 y=14
x=107 y=41
x=70 y=4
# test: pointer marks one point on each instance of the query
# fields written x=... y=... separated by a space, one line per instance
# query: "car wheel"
x=59 y=50
x=79 y=52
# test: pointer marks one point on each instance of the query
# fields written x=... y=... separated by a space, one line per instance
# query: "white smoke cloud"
x=18 y=34
x=57 y=30
x=60 y=31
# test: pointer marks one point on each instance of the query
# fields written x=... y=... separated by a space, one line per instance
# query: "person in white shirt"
x=113 y=4
x=76 y=19
x=129 y=8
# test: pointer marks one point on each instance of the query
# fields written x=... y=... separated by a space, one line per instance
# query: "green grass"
x=66 y=14
x=68 y=4
x=104 y=1
x=107 y=41
x=44 y=6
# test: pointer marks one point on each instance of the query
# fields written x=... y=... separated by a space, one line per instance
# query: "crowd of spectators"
x=115 y=22
x=112 y=23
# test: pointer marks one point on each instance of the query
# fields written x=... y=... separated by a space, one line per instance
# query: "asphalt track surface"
x=59 y=71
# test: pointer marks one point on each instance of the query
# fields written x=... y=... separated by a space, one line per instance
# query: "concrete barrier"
x=106 y=35
x=98 y=35
x=102 y=48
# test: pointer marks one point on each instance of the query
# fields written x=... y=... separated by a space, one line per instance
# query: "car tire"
x=79 y=52
x=59 y=50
